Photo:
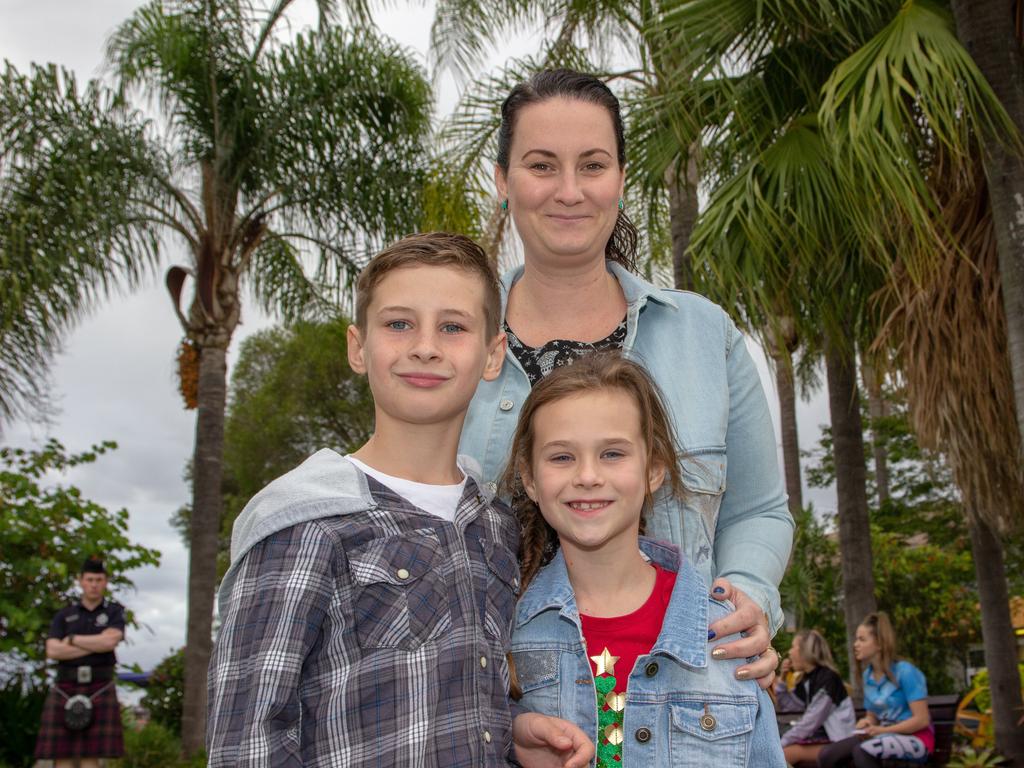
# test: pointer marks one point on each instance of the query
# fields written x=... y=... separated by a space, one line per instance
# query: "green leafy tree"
x=47 y=531
x=280 y=160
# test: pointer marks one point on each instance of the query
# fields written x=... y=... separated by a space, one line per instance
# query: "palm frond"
x=342 y=149
x=83 y=194
x=886 y=108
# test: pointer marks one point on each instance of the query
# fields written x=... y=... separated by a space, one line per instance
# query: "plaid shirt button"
x=487 y=736
x=402 y=573
x=483 y=662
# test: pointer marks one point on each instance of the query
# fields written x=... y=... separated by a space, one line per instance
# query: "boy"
x=368 y=606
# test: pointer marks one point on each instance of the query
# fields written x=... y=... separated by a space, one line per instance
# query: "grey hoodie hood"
x=324 y=485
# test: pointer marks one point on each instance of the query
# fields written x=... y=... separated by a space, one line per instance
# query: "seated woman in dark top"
x=820 y=694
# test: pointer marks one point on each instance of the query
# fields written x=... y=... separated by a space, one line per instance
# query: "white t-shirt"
x=440 y=500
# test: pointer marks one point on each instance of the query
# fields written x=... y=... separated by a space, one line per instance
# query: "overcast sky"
x=116 y=378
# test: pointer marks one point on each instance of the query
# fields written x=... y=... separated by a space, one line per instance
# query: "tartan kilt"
x=101 y=739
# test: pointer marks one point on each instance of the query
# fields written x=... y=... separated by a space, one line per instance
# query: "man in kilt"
x=81 y=719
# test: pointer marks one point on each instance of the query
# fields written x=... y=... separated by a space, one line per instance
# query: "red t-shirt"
x=613 y=645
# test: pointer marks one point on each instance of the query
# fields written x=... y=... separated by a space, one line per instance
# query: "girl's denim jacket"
x=734 y=521
x=671 y=690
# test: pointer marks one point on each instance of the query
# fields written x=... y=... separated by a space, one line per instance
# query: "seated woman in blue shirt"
x=896 y=725
x=611 y=630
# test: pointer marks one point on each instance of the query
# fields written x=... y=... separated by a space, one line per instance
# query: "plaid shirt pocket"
x=402 y=600
x=502 y=588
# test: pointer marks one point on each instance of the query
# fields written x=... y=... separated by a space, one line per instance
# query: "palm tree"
x=278 y=162
x=899 y=91
x=991 y=31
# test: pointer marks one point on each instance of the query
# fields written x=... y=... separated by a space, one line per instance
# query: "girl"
x=897 y=725
x=612 y=633
x=820 y=695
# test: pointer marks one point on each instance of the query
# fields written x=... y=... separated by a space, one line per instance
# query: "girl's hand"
x=542 y=741
x=862 y=724
x=749 y=619
x=873 y=730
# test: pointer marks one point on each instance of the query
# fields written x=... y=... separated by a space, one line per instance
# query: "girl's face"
x=563 y=182
x=865 y=644
x=588 y=473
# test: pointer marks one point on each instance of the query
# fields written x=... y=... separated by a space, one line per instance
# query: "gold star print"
x=605 y=662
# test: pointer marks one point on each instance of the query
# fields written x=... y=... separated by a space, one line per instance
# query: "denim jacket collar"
x=683 y=633
x=636 y=290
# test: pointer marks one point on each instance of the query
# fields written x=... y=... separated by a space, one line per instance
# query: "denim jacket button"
x=643 y=735
x=651 y=669
x=506 y=404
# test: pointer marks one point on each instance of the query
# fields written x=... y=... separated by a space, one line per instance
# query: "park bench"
x=943 y=712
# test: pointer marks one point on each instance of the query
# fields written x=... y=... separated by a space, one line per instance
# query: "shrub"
x=21 y=704
x=152 y=746
x=165 y=692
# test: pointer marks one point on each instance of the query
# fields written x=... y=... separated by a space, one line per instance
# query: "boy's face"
x=425 y=345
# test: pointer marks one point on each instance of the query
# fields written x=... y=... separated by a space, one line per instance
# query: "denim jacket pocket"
x=401 y=599
x=712 y=733
x=704 y=475
x=538 y=675
x=502 y=590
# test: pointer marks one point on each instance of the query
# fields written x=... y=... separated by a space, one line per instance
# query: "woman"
x=896 y=725
x=820 y=694
x=560 y=174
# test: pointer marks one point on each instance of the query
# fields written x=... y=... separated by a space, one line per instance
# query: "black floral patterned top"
x=538 y=362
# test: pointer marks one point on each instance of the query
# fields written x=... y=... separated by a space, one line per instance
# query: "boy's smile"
x=425 y=346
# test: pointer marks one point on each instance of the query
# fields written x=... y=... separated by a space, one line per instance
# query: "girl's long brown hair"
x=880 y=626
x=596 y=372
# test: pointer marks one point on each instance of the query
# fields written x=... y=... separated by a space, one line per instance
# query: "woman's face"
x=865 y=644
x=563 y=182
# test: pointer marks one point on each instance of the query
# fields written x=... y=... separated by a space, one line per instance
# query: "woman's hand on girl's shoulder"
x=749 y=620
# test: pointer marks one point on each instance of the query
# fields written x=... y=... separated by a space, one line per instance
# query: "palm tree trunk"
x=851 y=490
x=683 y=210
x=208 y=467
x=786 y=387
x=877 y=411
x=987 y=30
x=999 y=640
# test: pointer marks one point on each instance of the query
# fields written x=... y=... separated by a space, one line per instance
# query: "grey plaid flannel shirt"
x=376 y=638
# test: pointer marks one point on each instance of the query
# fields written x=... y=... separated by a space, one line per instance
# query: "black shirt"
x=538 y=362
x=76 y=619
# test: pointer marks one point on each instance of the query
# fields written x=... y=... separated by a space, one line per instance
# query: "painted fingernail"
x=742 y=674
x=719 y=590
x=712 y=634
x=718 y=653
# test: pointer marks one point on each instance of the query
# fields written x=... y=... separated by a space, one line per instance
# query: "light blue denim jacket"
x=670 y=689
x=734 y=521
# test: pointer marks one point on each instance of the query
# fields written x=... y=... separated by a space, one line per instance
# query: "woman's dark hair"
x=578 y=86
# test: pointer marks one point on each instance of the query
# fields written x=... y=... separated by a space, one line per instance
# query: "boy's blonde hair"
x=431 y=249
